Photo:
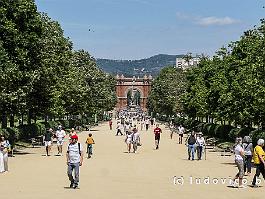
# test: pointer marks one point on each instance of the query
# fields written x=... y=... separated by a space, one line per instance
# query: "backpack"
x=79 y=148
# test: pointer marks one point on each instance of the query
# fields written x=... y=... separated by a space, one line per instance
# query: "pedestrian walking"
x=258 y=157
x=60 y=135
x=90 y=141
x=5 y=147
x=147 y=123
x=128 y=141
x=190 y=142
x=239 y=160
x=248 y=149
x=119 y=127
x=136 y=140
x=74 y=158
x=200 y=143
x=127 y=128
x=181 y=131
x=157 y=132
x=48 y=141
x=110 y=124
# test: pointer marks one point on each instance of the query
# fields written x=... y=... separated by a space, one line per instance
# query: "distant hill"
x=140 y=67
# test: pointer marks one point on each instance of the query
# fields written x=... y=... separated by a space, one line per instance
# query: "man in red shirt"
x=157 y=132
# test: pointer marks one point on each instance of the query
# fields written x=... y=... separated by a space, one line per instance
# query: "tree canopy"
x=40 y=73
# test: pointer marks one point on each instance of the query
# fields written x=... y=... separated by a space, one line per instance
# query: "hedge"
x=224 y=132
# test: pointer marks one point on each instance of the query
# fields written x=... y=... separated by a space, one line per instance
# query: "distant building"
x=184 y=64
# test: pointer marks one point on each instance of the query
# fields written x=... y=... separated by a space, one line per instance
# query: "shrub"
x=13 y=135
x=244 y=131
x=233 y=134
x=222 y=131
x=30 y=131
x=208 y=129
x=257 y=134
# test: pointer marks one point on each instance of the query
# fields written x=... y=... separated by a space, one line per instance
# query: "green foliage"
x=257 y=134
x=230 y=86
x=40 y=74
x=11 y=134
x=31 y=131
x=222 y=131
x=167 y=88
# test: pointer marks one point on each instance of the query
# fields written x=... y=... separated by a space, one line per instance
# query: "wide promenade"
x=113 y=173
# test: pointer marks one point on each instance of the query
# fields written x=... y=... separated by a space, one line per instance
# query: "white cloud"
x=207 y=21
x=210 y=21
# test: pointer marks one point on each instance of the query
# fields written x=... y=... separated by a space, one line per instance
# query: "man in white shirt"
x=74 y=157
x=181 y=132
x=60 y=134
x=119 y=127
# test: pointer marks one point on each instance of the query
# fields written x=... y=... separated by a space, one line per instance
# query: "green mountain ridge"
x=150 y=66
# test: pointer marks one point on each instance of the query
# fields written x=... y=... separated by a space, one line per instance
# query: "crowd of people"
x=130 y=124
x=244 y=154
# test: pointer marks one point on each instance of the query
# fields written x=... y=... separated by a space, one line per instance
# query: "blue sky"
x=135 y=29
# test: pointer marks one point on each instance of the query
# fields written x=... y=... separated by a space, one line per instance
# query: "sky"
x=136 y=29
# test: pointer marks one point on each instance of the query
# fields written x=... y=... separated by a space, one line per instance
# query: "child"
x=89 y=142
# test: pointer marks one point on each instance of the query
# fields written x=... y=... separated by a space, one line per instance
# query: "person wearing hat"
x=200 y=144
x=74 y=158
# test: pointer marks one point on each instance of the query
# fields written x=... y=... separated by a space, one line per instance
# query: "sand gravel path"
x=113 y=173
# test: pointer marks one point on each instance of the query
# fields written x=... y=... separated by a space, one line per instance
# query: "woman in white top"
x=239 y=160
x=128 y=140
x=4 y=146
x=200 y=144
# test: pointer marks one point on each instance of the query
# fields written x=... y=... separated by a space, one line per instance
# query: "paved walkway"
x=113 y=173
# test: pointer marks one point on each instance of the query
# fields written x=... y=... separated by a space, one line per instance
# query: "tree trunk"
x=4 y=120
x=22 y=118
x=29 y=117
x=12 y=120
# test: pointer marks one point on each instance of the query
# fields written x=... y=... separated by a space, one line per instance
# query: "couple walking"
x=133 y=140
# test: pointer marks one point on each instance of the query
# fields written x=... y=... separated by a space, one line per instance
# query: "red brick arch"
x=124 y=84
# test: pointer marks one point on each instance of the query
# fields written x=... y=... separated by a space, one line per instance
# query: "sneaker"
x=72 y=185
x=75 y=186
x=232 y=183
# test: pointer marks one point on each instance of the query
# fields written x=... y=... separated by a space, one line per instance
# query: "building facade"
x=125 y=85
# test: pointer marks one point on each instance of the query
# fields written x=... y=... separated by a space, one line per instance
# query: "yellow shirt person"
x=90 y=140
x=258 y=151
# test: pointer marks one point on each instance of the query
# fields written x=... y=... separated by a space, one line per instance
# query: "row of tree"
x=40 y=73
x=229 y=86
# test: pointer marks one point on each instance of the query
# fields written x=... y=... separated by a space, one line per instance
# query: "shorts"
x=157 y=136
x=47 y=143
x=181 y=135
x=129 y=142
x=60 y=142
